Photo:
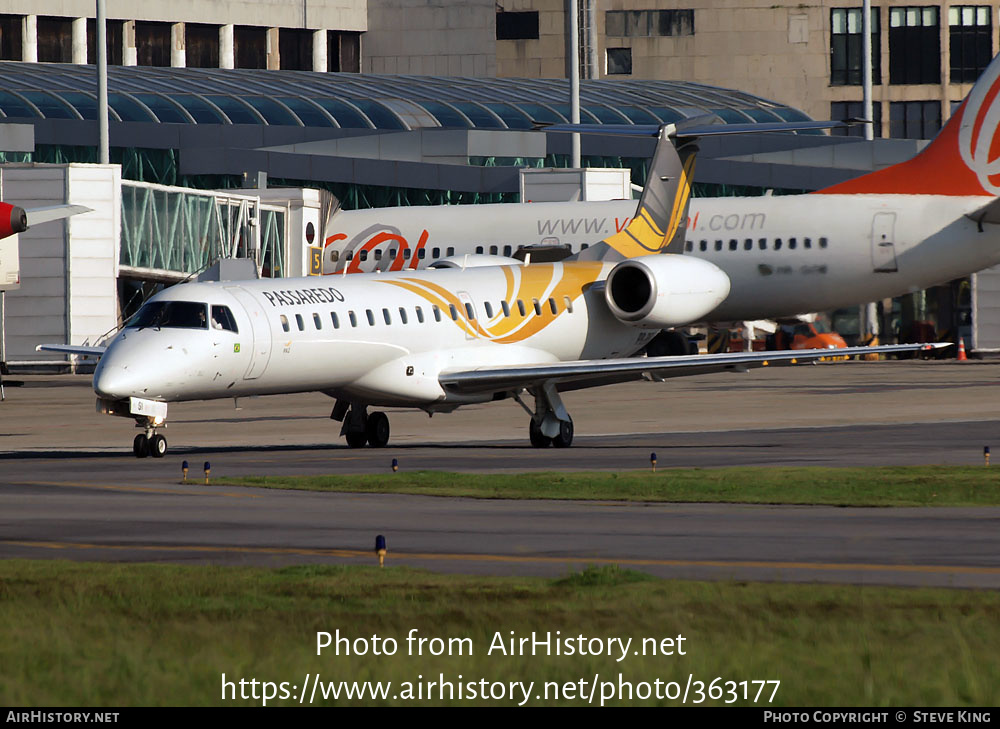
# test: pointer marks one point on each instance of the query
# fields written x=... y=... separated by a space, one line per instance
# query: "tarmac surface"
x=70 y=488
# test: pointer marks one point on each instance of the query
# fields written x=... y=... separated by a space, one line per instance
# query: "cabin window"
x=470 y=311
x=336 y=320
x=488 y=308
x=284 y=323
x=402 y=315
x=316 y=321
x=777 y=244
x=421 y=252
x=585 y=246
x=451 y=251
x=538 y=307
x=420 y=314
x=436 y=253
x=807 y=243
x=371 y=317
x=454 y=312
x=378 y=254
x=822 y=242
x=363 y=255
x=222 y=318
x=689 y=246
x=386 y=316
x=569 y=304
x=479 y=249
x=762 y=244
x=334 y=256
x=406 y=254
x=392 y=253
x=350 y=255
x=748 y=244
x=506 y=308
x=301 y=324
x=791 y=243
x=437 y=312
x=520 y=308
x=553 y=307
x=733 y=244
x=718 y=245
x=494 y=250
x=353 y=317
x=507 y=250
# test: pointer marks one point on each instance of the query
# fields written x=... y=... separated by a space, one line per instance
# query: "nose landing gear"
x=149 y=443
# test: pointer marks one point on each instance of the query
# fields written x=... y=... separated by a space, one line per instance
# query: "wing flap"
x=592 y=373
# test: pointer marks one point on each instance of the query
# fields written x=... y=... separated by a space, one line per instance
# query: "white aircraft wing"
x=594 y=372
x=53 y=212
x=72 y=349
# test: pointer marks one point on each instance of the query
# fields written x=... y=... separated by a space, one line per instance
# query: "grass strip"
x=880 y=486
x=85 y=634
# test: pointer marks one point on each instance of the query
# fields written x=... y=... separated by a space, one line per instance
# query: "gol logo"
x=977 y=136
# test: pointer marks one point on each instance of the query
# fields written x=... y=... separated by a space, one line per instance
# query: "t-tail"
x=961 y=160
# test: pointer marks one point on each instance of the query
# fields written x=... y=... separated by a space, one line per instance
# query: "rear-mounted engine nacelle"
x=667 y=290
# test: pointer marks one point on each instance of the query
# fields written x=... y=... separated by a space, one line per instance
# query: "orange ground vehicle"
x=806 y=335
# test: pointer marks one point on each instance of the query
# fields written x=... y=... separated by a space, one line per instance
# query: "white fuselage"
x=381 y=339
x=861 y=247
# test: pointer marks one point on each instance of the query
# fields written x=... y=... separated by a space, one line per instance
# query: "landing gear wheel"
x=538 y=440
x=565 y=437
x=140 y=446
x=157 y=446
x=377 y=430
x=356 y=440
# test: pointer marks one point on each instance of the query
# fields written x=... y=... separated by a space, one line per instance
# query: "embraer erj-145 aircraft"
x=914 y=225
x=435 y=339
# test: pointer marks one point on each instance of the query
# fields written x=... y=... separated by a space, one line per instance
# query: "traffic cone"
x=961 y=350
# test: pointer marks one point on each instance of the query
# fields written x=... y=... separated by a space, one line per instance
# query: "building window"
x=10 y=37
x=250 y=46
x=970 y=41
x=914 y=119
x=619 y=61
x=152 y=43
x=343 y=51
x=55 y=40
x=295 y=49
x=840 y=110
x=201 y=45
x=645 y=23
x=846 y=49
x=914 y=45
x=517 y=26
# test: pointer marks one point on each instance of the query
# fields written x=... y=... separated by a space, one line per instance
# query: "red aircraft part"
x=12 y=220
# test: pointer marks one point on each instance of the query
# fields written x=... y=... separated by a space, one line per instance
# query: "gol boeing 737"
x=908 y=227
x=435 y=339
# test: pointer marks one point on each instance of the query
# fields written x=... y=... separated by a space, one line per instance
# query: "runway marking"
x=522 y=559
x=140 y=489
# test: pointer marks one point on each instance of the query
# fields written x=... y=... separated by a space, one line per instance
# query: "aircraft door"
x=260 y=347
x=883 y=243
x=470 y=313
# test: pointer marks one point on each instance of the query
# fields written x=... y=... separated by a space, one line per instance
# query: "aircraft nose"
x=114 y=382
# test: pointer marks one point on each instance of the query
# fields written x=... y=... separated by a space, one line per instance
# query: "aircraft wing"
x=594 y=372
x=78 y=349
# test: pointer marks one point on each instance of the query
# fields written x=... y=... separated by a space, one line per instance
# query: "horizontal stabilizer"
x=588 y=373
x=77 y=349
x=54 y=212
x=699 y=127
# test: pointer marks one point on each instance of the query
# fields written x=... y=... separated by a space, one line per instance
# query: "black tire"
x=538 y=440
x=157 y=446
x=140 y=446
x=377 y=430
x=565 y=437
x=356 y=440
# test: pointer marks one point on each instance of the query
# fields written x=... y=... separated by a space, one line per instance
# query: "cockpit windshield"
x=171 y=314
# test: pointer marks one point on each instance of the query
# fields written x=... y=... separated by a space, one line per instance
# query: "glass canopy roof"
x=303 y=98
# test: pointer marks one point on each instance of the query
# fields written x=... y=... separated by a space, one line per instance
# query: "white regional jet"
x=435 y=339
x=917 y=224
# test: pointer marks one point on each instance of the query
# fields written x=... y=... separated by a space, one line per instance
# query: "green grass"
x=883 y=486
x=148 y=634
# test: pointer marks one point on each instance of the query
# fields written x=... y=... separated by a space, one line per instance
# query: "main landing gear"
x=550 y=424
x=359 y=427
x=149 y=443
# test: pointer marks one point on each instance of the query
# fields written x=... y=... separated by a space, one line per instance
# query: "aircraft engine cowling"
x=662 y=291
x=12 y=220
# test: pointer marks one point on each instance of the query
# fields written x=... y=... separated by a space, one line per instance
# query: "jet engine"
x=665 y=290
